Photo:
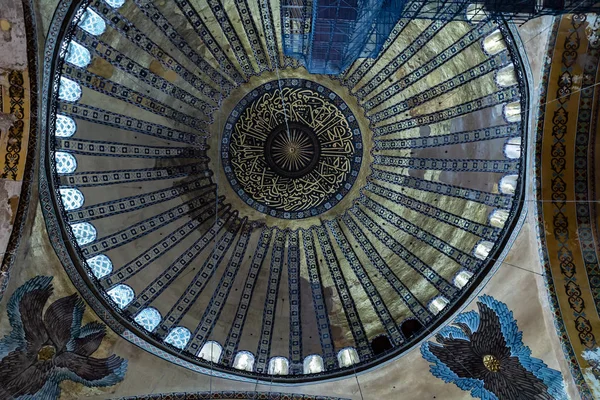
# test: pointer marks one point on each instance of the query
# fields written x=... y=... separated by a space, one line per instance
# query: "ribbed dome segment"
x=286 y=219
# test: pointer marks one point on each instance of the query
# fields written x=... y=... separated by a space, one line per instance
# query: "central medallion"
x=291 y=149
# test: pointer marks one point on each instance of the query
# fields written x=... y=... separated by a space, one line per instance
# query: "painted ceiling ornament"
x=484 y=353
x=292 y=150
x=45 y=349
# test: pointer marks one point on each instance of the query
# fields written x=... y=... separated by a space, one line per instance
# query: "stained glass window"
x=100 y=265
x=121 y=294
x=71 y=198
x=65 y=126
x=347 y=357
x=178 y=337
x=65 y=162
x=115 y=3
x=148 y=318
x=92 y=23
x=438 y=304
x=313 y=364
x=84 y=233
x=278 y=366
x=462 y=278
x=78 y=55
x=211 y=351
x=244 y=360
x=69 y=90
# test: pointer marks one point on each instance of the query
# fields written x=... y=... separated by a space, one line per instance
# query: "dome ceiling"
x=222 y=205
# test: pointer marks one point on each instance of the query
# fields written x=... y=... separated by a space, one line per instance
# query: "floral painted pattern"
x=484 y=353
x=45 y=349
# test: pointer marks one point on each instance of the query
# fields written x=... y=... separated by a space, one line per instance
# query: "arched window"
x=494 y=43
x=410 y=327
x=84 y=233
x=69 y=90
x=121 y=294
x=438 y=304
x=476 y=12
x=92 y=23
x=211 y=351
x=482 y=249
x=508 y=184
x=462 y=278
x=115 y=3
x=381 y=344
x=178 y=337
x=512 y=111
x=78 y=55
x=506 y=76
x=148 y=318
x=65 y=126
x=347 y=357
x=100 y=265
x=512 y=148
x=498 y=218
x=278 y=366
x=71 y=198
x=65 y=162
x=244 y=360
x=313 y=364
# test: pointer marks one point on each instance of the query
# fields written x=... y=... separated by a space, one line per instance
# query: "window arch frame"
x=78 y=55
x=240 y=354
x=271 y=365
x=69 y=202
x=65 y=163
x=433 y=303
x=92 y=23
x=69 y=90
x=211 y=358
x=460 y=274
x=84 y=226
x=308 y=359
x=352 y=354
x=66 y=124
x=126 y=290
x=173 y=341
x=148 y=327
x=96 y=267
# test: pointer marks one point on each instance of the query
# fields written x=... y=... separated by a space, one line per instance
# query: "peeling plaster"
x=12 y=35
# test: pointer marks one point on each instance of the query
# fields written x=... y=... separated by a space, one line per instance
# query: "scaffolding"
x=327 y=36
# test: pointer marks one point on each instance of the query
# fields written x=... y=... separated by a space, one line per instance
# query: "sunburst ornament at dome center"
x=292 y=149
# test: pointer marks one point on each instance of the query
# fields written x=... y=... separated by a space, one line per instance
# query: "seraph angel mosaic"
x=44 y=349
x=484 y=353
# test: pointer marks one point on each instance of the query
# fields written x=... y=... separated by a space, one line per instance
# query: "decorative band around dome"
x=292 y=150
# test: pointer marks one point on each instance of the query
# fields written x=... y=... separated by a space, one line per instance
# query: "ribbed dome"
x=221 y=204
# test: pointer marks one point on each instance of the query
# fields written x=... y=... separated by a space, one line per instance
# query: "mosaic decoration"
x=484 y=353
x=46 y=348
x=291 y=150
x=566 y=167
x=20 y=158
x=382 y=202
x=14 y=141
